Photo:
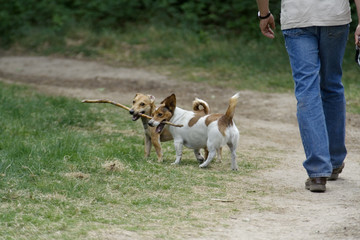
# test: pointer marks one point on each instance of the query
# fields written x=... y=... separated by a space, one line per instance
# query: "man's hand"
x=357 y=35
x=268 y=25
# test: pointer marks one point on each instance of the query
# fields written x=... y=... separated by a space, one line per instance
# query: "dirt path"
x=264 y=120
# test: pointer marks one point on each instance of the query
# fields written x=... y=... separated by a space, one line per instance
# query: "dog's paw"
x=203 y=165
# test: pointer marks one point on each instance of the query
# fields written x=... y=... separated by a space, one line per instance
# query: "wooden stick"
x=126 y=108
x=114 y=103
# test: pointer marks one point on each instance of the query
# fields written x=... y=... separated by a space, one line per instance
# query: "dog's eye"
x=133 y=102
x=159 y=114
x=142 y=104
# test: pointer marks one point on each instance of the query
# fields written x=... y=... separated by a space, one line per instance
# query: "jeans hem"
x=320 y=175
x=337 y=166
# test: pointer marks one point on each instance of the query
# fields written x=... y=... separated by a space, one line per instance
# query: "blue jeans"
x=316 y=55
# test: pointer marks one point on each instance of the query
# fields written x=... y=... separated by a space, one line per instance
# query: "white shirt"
x=307 y=13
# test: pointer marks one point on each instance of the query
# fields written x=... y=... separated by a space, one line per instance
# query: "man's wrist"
x=261 y=17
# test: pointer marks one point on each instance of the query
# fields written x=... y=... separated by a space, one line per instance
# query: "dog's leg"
x=212 y=153
x=178 y=148
x=234 y=165
x=198 y=156
x=155 y=140
x=219 y=154
x=147 y=145
x=206 y=153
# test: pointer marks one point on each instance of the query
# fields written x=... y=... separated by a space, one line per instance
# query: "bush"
x=19 y=16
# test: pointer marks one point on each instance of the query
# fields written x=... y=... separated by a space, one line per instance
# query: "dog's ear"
x=152 y=98
x=170 y=102
x=136 y=95
x=168 y=98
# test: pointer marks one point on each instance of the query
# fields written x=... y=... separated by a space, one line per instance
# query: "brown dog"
x=145 y=104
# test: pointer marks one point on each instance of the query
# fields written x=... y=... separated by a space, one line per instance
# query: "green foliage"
x=18 y=17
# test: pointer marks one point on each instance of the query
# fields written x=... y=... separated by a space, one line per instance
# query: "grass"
x=76 y=171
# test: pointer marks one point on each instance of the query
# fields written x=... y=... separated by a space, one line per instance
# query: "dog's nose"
x=131 y=111
x=151 y=123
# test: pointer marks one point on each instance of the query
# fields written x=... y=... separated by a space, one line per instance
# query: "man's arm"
x=357 y=31
x=263 y=6
x=268 y=24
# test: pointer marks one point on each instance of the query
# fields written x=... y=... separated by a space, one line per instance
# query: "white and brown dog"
x=145 y=104
x=211 y=131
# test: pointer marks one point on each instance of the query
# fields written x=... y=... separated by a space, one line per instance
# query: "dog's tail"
x=231 y=108
x=197 y=103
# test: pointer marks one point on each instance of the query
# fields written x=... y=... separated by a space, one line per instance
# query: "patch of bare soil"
x=265 y=121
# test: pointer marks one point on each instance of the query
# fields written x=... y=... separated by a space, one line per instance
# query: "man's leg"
x=302 y=45
x=332 y=47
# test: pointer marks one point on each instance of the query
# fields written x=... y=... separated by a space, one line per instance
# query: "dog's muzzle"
x=135 y=115
x=159 y=126
x=151 y=123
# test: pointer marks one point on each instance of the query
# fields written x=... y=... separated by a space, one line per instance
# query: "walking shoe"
x=335 y=173
x=317 y=184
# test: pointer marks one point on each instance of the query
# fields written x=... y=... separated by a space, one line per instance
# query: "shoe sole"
x=317 y=188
